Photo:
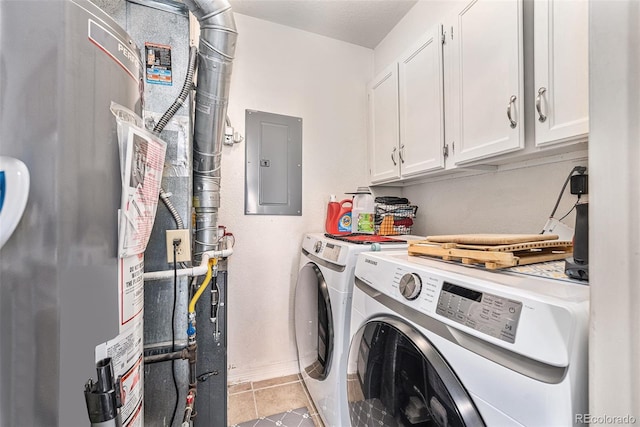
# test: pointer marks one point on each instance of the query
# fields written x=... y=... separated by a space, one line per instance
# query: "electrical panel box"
x=273 y=169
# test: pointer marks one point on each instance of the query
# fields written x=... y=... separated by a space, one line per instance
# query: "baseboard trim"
x=259 y=373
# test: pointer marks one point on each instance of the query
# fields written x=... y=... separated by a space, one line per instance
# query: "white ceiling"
x=361 y=22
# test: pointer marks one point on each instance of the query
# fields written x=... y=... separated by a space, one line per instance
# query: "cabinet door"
x=384 y=157
x=487 y=74
x=421 y=106
x=561 y=55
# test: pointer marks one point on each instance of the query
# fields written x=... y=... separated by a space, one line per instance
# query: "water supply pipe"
x=210 y=271
x=200 y=270
x=188 y=409
x=216 y=53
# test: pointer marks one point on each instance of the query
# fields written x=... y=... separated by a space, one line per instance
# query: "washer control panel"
x=410 y=286
x=331 y=252
x=490 y=314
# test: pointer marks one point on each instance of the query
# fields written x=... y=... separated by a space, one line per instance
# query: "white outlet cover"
x=554 y=226
x=185 y=237
x=14 y=192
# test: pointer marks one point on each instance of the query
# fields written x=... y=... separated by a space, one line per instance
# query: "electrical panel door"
x=273 y=169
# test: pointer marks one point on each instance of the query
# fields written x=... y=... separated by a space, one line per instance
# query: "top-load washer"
x=322 y=313
x=440 y=344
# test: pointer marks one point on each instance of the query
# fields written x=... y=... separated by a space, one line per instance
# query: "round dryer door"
x=396 y=377
x=313 y=322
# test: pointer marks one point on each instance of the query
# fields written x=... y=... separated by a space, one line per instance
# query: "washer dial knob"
x=318 y=247
x=410 y=286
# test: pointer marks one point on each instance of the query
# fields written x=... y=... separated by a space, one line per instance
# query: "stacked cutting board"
x=493 y=250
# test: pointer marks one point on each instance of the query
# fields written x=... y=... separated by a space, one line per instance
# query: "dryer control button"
x=318 y=247
x=410 y=286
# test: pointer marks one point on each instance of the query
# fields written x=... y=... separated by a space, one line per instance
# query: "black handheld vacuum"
x=577 y=267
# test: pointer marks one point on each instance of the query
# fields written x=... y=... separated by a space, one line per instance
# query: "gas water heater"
x=62 y=63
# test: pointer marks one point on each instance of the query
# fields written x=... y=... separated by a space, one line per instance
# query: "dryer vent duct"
x=217 y=47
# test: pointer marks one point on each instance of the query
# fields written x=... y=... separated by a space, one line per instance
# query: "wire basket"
x=391 y=220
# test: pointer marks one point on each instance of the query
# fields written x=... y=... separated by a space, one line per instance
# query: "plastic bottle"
x=363 y=213
x=338 y=216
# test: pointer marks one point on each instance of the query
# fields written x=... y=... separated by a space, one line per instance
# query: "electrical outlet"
x=553 y=226
x=579 y=184
x=183 y=250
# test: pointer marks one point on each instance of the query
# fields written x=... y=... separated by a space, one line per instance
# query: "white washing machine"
x=440 y=344
x=322 y=311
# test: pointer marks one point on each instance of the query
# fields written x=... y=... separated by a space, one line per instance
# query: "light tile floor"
x=252 y=400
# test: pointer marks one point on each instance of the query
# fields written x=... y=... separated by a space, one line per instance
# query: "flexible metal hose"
x=184 y=93
x=172 y=209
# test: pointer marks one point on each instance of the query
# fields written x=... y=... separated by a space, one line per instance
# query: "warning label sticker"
x=126 y=352
x=130 y=288
x=158 y=64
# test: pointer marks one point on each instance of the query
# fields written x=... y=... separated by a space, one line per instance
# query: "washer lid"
x=339 y=252
x=365 y=239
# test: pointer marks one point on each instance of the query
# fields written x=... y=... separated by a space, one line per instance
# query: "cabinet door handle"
x=393 y=156
x=541 y=117
x=512 y=100
x=401 y=152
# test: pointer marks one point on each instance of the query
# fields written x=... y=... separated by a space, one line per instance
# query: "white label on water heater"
x=130 y=288
x=126 y=352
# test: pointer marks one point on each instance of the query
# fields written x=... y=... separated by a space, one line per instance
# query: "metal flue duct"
x=217 y=47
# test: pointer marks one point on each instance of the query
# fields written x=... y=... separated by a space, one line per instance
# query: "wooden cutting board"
x=491 y=239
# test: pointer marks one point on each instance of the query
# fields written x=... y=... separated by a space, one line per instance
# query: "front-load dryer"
x=440 y=344
x=322 y=311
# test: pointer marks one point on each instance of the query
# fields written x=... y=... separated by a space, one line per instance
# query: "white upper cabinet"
x=561 y=54
x=488 y=79
x=421 y=106
x=384 y=157
x=406 y=113
x=455 y=99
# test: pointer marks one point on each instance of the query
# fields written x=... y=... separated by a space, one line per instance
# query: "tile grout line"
x=255 y=401
x=252 y=386
x=277 y=382
x=229 y=393
x=253 y=389
x=276 y=385
x=310 y=405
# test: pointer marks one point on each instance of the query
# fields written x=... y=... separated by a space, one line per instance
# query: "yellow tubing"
x=203 y=286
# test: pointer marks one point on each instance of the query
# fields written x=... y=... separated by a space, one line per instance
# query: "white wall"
x=286 y=71
x=512 y=201
x=423 y=17
x=614 y=209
